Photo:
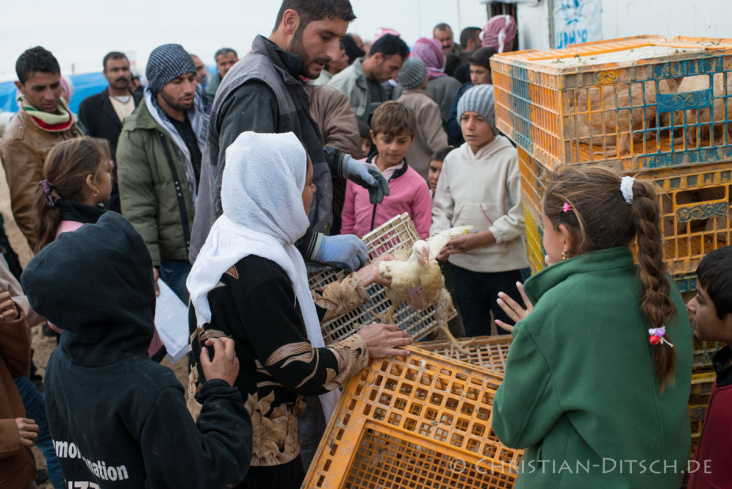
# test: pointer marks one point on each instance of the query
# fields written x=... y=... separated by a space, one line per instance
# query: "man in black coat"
x=102 y=114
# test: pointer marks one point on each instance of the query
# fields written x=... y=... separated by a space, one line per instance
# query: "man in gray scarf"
x=159 y=162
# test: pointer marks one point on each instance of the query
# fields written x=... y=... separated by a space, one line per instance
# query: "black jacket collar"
x=724 y=371
x=398 y=172
x=285 y=60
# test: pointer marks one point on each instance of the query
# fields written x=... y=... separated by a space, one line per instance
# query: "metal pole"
x=460 y=17
x=550 y=6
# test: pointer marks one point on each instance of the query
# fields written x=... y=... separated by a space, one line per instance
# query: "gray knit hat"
x=166 y=63
x=412 y=74
x=480 y=100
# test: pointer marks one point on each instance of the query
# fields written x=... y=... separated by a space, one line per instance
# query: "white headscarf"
x=261 y=196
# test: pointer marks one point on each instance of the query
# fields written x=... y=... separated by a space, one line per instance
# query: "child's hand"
x=225 y=365
x=467 y=242
x=512 y=308
x=27 y=430
x=8 y=311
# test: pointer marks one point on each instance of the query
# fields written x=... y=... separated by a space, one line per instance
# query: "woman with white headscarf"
x=250 y=282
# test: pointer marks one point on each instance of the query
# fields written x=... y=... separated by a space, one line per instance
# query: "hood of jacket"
x=97 y=284
x=499 y=143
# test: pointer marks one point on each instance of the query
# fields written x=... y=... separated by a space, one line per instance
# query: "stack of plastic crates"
x=657 y=109
x=416 y=422
x=702 y=381
x=654 y=108
x=397 y=233
x=485 y=351
x=694 y=203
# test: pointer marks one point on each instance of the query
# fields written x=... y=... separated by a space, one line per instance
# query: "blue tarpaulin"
x=84 y=85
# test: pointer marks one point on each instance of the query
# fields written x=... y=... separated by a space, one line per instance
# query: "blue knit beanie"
x=165 y=64
x=479 y=99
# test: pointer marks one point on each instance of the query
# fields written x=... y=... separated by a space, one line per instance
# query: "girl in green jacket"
x=597 y=377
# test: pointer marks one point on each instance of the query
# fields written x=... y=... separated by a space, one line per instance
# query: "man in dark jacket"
x=117 y=418
x=102 y=114
x=264 y=93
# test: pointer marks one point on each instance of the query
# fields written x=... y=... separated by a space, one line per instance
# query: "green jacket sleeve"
x=526 y=405
x=137 y=189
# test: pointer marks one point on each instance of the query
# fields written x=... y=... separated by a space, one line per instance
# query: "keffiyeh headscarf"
x=499 y=33
x=166 y=63
x=430 y=52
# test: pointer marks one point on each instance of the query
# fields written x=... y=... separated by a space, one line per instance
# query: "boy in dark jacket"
x=117 y=418
x=711 y=316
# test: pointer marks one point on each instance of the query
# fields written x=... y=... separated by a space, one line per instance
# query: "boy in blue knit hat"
x=480 y=186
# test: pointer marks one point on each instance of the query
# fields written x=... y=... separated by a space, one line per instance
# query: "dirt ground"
x=43 y=346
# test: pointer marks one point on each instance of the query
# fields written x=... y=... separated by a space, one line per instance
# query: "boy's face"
x=392 y=149
x=433 y=175
x=480 y=75
x=476 y=131
x=704 y=320
x=365 y=146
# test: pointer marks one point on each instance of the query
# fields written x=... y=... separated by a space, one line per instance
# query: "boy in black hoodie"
x=117 y=418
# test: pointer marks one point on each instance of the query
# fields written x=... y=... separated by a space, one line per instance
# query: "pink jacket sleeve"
x=422 y=209
x=348 y=215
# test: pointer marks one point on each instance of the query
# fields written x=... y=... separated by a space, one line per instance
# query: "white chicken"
x=418 y=280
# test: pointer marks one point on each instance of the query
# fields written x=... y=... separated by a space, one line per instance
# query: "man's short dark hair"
x=441 y=154
x=34 y=60
x=468 y=34
x=224 y=52
x=441 y=27
x=482 y=57
x=113 y=55
x=389 y=45
x=715 y=275
x=312 y=10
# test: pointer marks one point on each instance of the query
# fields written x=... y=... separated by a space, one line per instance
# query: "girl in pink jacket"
x=393 y=128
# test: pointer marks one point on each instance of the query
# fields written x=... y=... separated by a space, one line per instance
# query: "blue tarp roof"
x=84 y=85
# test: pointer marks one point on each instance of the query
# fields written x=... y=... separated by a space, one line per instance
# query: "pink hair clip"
x=567 y=207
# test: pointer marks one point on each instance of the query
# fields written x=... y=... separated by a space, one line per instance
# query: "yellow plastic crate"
x=485 y=351
x=704 y=351
x=398 y=232
x=621 y=101
x=423 y=421
x=534 y=241
x=695 y=212
x=701 y=389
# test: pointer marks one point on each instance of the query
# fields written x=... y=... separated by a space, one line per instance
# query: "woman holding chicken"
x=249 y=282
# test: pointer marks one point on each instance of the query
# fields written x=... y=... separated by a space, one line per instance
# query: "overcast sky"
x=81 y=32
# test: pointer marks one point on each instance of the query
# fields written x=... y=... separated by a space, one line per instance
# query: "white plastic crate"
x=397 y=233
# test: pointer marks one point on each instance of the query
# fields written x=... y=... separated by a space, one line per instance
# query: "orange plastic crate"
x=695 y=212
x=423 y=421
x=398 y=232
x=485 y=351
x=574 y=105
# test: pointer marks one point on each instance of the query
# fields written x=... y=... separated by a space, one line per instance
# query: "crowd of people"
x=232 y=188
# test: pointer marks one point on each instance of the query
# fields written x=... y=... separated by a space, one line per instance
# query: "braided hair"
x=600 y=218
